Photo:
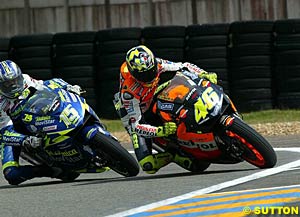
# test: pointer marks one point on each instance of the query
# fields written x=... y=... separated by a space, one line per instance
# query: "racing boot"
x=190 y=164
x=183 y=161
x=152 y=163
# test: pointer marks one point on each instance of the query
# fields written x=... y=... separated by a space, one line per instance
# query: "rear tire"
x=257 y=150
x=119 y=159
x=199 y=166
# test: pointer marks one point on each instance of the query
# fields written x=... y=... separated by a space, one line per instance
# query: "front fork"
x=224 y=137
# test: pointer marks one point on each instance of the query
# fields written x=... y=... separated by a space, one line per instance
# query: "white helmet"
x=11 y=79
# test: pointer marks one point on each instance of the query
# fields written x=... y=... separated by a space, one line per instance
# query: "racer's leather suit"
x=11 y=140
x=135 y=99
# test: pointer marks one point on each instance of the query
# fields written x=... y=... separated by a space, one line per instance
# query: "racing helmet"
x=11 y=79
x=142 y=64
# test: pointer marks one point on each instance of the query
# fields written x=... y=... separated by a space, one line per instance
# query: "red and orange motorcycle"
x=210 y=130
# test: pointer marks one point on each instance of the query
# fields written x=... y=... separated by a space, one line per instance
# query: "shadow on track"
x=149 y=177
x=81 y=182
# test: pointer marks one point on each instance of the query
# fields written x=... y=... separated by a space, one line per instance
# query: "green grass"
x=271 y=116
x=113 y=125
x=268 y=116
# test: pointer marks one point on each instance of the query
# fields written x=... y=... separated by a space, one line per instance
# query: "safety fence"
x=258 y=62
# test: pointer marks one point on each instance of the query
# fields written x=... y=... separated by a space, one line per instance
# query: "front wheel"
x=256 y=150
x=118 y=158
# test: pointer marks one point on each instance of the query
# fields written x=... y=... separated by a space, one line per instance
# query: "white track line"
x=258 y=175
x=291 y=149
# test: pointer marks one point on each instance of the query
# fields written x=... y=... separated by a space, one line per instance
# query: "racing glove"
x=211 y=76
x=32 y=141
x=74 y=89
x=166 y=130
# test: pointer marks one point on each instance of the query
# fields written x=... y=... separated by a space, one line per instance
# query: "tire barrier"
x=74 y=61
x=33 y=53
x=287 y=63
x=112 y=45
x=4 y=48
x=206 y=46
x=258 y=62
x=250 y=65
x=166 y=42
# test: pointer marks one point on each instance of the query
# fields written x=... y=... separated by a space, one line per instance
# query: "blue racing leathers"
x=11 y=141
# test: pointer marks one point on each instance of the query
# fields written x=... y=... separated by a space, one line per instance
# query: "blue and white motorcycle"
x=74 y=139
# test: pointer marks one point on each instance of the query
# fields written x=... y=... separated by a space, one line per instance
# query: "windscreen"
x=177 y=90
x=41 y=102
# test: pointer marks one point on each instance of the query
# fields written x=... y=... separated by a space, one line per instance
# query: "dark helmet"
x=11 y=79
x=142 y=64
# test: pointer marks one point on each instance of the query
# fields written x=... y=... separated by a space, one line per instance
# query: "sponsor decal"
x=129 y=106
x=45 y=122
x=11 y=139
x=208 y=146
x=16 y=110
x=190 y=94
x=203 y=146
x=62 y=153
x=42 y=118
x=66 y=159
x=147 y=131
x=49 y=128
x=186 y=143
x=13 y=144
x=140 y=92
x=191 y=75
x=8 y=133
x=165 y=106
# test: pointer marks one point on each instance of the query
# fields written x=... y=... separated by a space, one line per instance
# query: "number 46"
x=206 y=102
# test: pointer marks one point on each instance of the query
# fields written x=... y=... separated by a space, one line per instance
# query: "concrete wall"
x=40 y=16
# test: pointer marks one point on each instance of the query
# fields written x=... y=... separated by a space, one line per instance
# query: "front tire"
x=256 y=149
x=118 y=158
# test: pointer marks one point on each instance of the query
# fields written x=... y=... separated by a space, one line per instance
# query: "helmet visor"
x=12 y=88
x=146 y=76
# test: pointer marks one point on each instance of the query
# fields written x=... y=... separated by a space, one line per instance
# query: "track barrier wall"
x=258 y=61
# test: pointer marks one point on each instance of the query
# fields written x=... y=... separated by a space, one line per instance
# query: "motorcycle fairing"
x=55 y=115
x=200 y=145
x=191 y=101
x=194 y=105
x=63 y=111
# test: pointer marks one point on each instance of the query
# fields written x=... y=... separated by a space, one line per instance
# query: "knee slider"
x=147 y=164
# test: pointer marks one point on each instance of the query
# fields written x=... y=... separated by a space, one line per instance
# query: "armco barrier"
x=257 y=61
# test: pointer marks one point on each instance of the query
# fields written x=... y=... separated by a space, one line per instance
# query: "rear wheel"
x=199 y=166
x=255 y=149
x=118 y=158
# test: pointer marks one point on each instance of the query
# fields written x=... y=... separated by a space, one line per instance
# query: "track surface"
x=110 y=194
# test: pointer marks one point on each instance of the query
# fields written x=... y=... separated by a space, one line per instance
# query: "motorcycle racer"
x=13 y=86
x=140 y=75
